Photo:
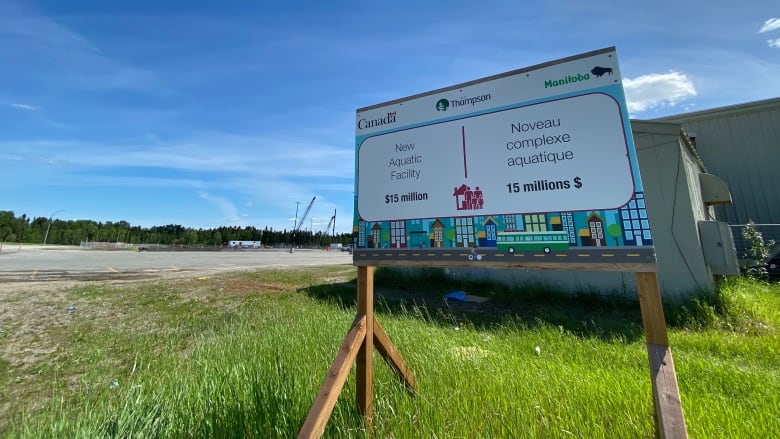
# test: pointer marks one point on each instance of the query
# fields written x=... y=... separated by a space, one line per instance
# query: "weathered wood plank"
x=365 y=357
x=337 y=375
x=393 y=358
x=652 y=308
x=666 y=394
x=670 y=421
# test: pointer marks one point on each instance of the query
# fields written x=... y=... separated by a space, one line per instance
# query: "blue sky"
x=212 y=113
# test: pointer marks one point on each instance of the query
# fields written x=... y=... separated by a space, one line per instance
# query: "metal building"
x=741 y=144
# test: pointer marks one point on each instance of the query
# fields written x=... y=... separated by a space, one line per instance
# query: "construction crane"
x=299 y=223
x=332 y=222
x=305 y=214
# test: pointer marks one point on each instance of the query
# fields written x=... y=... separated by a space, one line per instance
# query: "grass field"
x=244 y=354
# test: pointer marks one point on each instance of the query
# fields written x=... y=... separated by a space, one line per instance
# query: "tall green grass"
x=244 y=356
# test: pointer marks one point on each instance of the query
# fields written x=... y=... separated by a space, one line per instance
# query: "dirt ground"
x=36 y=305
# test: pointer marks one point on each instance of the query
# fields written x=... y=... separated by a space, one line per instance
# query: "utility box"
x=714 y=191
x=717 y=244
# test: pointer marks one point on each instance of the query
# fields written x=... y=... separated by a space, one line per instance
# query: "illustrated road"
x=625 y=258
x=26 y=264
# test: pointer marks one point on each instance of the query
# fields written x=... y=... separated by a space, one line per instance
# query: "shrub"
x=757 y=252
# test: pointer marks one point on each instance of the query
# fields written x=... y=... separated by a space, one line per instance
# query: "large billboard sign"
x=538 y=161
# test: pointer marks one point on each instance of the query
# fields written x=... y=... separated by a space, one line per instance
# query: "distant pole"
x=48 y=226
x=292 y=234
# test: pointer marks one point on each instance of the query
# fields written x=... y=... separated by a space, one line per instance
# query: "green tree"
x=614 y=231
x=450 y=235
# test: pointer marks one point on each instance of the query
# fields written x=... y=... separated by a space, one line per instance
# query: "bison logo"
x=600 y=71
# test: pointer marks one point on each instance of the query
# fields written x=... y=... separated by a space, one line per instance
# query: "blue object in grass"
x=460 y=296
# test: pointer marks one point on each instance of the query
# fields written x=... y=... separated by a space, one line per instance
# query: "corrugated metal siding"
x=741 y=145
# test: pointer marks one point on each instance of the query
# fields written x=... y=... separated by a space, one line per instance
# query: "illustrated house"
x=376 y=235
x=462 y=196
x=567 y=219
x=437 y=239
x=510 y=223
x=536 y=222
x=596 y=230
x=398 y=234
x=556 y=224
x=465 y=235
x=362 y=234
x=490 y=226
x=585 y=239
x=634 y=220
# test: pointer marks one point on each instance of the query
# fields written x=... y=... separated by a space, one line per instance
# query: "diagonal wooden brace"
x=326 y=399
x=393 y=358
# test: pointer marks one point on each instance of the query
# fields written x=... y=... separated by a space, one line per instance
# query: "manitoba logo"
x=568 y=79
x=442 y=105
x=600 y=71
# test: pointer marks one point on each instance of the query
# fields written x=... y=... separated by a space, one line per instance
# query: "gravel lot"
x=25 y=267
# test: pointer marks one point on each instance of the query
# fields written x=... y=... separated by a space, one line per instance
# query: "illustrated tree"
x=614 y=231
x=450 y=235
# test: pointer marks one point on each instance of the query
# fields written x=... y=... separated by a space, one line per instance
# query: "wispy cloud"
x=38 y=114
x=655 y=90
x=25 y=107
x=774 y=43
x=770 y=25
x=216 y=152
x=225 y=206
x=210 y=153
x=51 y=50
x=259 y=173
x=26 y=23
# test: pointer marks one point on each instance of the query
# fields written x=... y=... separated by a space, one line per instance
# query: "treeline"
x=40 y=230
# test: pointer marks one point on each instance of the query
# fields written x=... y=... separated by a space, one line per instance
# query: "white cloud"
x=774 y=43
x=225 y=206
x=213 y=153
x=657 y=90
x=770 y=25
x=25 y=107
x=45 y=48
x=34 y=112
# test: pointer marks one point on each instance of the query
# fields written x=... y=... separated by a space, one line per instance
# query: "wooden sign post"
x=366 y=332
x=670 y=421
x=534 y=168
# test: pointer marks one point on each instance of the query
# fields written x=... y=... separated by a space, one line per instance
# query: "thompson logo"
x=444 y=104
x=372 y=123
